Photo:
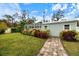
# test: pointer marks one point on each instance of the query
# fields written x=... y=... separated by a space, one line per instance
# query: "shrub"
x=33 y=31
x=27 y=31
x=15 y=29
x=41 y=34
x=77 y=36
x=36 y=33
x=44 y=34
x=24 y=32
x=19 y=28
x=68 y=35
x=3 y=27
x=30 y=31
x=2 y=31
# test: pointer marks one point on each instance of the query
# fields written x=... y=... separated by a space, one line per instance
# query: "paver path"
x=52 y=47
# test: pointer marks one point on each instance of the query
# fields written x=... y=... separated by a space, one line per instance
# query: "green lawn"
x=72 y=48
x=16 y=44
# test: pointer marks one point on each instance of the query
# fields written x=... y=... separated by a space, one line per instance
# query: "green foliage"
x=3 y=27
x=77 y=36
x=22 y=23
x=9 y=18
x=2 y=31
x=15 y=29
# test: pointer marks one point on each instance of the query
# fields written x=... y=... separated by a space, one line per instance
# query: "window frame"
x=67 y=27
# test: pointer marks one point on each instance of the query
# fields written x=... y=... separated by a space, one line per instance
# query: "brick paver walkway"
x=52 y=47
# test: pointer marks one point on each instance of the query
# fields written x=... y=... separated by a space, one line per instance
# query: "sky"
x=71 y=10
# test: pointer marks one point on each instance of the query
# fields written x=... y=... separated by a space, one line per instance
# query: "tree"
x=34 y=19
x=59 y=14
x=3 y=27
x=23 y=15
x=9 y=18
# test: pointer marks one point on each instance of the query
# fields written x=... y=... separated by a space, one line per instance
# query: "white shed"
x=57 y=26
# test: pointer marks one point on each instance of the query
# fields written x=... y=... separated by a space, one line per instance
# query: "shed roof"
x=57 y=22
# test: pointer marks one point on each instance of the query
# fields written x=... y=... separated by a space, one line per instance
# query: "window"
x=29 y=26
x=78 y=24
x=32 y=26
x=35 y=26
x=40 y=26
x=66 y=27
x=45 y=27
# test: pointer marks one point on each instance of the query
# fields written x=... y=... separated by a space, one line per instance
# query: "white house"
x=56 y=27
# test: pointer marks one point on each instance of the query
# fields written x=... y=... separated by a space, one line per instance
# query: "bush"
x=36 y=33
x=33 y=32
x=15 y=29
x=24 y=32
x=68 y=35
x=19 y=28
x=3 y=27
x=30 y=31
x=27 y=31
x=44 y=34
x=41 y=34
x=2 y=31
x=77 y=36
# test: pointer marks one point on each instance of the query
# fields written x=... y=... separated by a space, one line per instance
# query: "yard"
x=72 y=48
x=16 y=44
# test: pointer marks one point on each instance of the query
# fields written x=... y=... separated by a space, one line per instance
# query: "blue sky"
x=71 y=10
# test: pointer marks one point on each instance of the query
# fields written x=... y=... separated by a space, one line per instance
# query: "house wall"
x=77 y=29
x=56 y=28
x=33 y=26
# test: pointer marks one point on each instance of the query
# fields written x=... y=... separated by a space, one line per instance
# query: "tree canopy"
x=59 y=14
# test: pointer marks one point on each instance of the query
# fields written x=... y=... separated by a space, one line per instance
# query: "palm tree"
x=59 y=14
x=23 y=17
x=9 y=18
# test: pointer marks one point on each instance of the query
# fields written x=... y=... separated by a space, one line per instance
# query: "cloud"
x=34 y=12
x=64 y=7
x=74 y=12
x=48 y=17
x=46 y=11
x=27 y=3
x=73 y=4
x=72 y=9
x=9 y=8
x=39 y=17
x=56 y=7
x=77 y=5
x=59 y=6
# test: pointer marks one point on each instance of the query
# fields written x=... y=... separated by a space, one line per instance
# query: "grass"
x=16 y=44
x=72 y=48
